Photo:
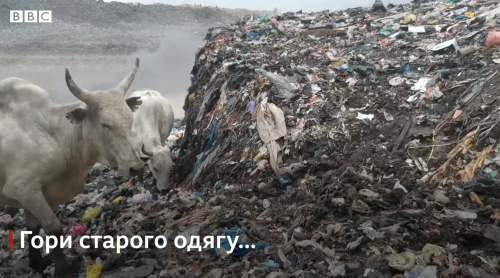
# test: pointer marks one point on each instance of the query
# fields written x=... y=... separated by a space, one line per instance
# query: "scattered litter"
x=355 y=143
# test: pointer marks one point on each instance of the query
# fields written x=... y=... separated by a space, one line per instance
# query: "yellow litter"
x=118 y=199
x=93 y=213
x=410 y=18
x=469 y=15
x=278 y=46
x=258 y=157
x=94 y=271
x=263 y=153
x=434 y=249
x=473 y=196
x=337 y=64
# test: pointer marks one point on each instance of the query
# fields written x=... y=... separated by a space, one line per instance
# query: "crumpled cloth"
x=271 y=127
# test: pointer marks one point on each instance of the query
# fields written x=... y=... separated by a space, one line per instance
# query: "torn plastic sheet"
x=365 y=116
x=421 y=84
x=394 y=36
x=433 y=81
x=413 y=97
x=416 y=29
x=446 y=44
x=421 y=271
x=284 y=88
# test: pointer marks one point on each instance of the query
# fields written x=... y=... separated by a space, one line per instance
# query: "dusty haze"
x=166 y=70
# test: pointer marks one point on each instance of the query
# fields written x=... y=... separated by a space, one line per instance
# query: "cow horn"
x=78 y=92
x=150 y=154
x=124 y=85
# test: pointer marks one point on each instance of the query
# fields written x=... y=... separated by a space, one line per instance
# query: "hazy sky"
x=282 y=5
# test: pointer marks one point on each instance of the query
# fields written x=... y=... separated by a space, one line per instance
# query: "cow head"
x=107 y=122
x=160 y=162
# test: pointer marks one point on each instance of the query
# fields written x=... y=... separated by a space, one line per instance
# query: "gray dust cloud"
x=166 y=70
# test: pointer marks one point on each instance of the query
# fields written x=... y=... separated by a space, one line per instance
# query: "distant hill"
x=90 y=26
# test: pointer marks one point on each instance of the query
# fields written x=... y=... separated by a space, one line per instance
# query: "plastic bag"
x=94 y=271
x=493 y=39
x=142 y=197
x=78 y=228
x=93 y=213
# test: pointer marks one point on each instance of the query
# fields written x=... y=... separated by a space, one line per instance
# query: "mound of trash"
x=356 y=143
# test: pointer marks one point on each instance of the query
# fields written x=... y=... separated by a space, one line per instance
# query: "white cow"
x=153 y=122
x=47 y=150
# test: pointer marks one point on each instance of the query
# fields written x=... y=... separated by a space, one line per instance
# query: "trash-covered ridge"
x=356 y=143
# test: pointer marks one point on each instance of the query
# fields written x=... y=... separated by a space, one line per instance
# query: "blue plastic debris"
x=407 y=70
x=342 y=67
x=267 y=266
x=199 y=194
x=249 y=34
x=385 y=32
x=211 y=139
x=284 y=181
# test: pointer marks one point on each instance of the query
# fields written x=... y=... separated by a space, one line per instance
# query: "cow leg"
x=34 y=254
x=34 y=202
x=63 y=268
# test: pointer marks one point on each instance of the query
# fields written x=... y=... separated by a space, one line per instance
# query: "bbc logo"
x=30 y=16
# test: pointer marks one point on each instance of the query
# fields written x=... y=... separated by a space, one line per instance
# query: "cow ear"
x=133 y=103
x=76 y=116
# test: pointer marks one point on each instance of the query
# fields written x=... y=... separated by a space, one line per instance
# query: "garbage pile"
x=367 y=131
x=356 y=143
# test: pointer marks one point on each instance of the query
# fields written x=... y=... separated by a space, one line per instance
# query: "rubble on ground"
x=358 y=143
